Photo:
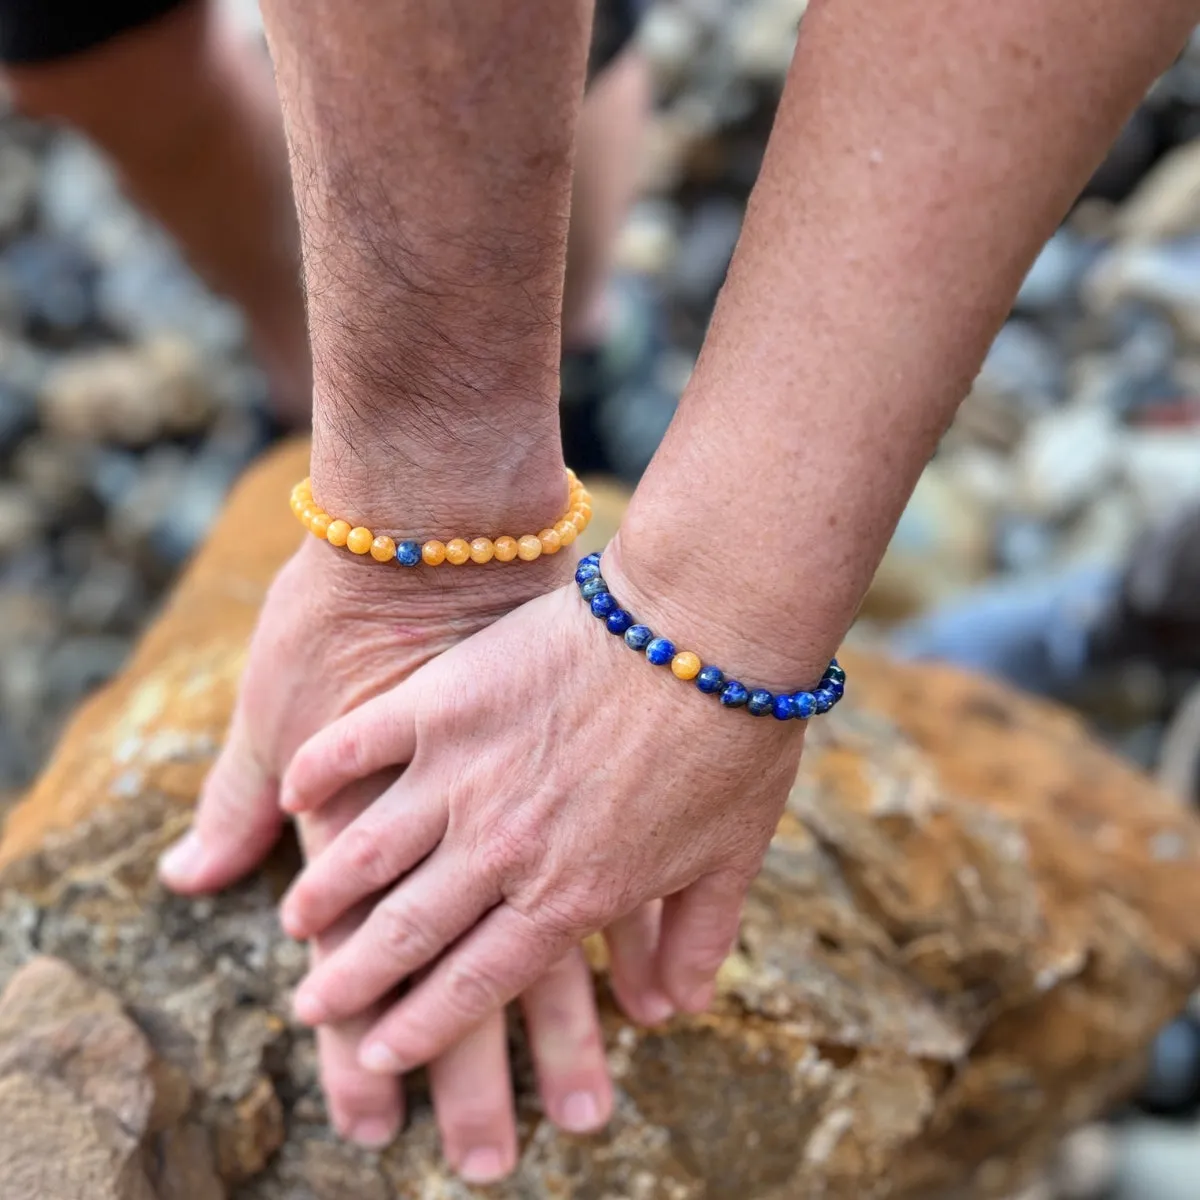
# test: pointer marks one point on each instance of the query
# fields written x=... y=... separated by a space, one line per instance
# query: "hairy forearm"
x=922 y=153
x=431 y=146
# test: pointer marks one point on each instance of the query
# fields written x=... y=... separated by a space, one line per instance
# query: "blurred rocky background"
x=1054 y=540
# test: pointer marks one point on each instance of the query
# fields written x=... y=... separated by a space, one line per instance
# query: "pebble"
x=1157 y=1161
x=129 y=395
x=1172 y=1083
x=20 y=519
x=18 y=185
x=1086 y=1164
x=1068 y=458
x=51 y=281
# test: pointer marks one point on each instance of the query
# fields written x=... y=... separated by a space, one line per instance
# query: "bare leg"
x=611 y=127
x=186 y=107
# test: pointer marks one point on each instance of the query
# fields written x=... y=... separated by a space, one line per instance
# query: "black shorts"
x=33 y=31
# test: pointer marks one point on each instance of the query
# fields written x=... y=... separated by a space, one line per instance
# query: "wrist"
x=702 y=605
x=450 y=482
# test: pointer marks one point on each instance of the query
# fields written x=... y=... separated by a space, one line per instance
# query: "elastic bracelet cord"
x=411 y=552
x=684 y=664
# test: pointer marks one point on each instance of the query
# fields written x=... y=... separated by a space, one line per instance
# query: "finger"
x=699 y=927
x=633 y=965
x=379 y=733
x=237 y=821
x=364 y=1107
x=372 y=853
x=568 y=1046
x=492 y=965
x=408 y=928
x=473 y=1100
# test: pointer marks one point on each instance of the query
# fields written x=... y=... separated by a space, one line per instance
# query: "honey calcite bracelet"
x=410 y=552
x=686 y=665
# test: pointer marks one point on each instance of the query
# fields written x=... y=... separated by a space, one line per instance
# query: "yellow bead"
x=383 y=549
x=320 y=524
x=297 y=504
x=685 y=665
x=359 y=539
x=482 y=550
x=551 y=542
x=529 y=548
x=337 y=533
x=567 y=532
x=458 y=551
x=584 y=508
x=433 y=554
x=506 y=548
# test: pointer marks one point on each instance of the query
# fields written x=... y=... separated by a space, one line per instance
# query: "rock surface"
x=970 y=924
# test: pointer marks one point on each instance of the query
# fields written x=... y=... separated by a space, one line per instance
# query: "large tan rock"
x=970 y=924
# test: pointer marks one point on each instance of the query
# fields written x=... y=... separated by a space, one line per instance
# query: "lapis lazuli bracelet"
x=661 y=651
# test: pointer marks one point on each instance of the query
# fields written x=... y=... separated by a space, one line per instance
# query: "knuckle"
x=503 y=851
x=398 y=934
x=473 y=992
x=365 y=857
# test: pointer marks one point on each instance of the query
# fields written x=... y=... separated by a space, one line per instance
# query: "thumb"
x=237 y=821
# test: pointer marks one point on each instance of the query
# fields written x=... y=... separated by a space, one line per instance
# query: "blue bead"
x=760 y=703
x=710 y=679
x=593 y=557
x=824 y=700
x=593 y=587
x=804 y=705
x=603 y=603
x=834 y=673
x=586 y=570
x=637 y=637
x=783 y=708
x=836 y=686
x=660 y=651
x=408 y=554
x=618 y=621
x=734 y=694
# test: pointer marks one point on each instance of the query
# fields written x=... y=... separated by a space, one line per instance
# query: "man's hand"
x=553 y=783
x=333 y=633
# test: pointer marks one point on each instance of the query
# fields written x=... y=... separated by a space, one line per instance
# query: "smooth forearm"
x=431 y=147
x=922 y=154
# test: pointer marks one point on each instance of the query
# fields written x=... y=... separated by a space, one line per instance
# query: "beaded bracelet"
x=784 y=706
x=410 y=552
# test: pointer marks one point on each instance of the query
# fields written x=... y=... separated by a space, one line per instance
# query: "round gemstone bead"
x=482 y=550
x=529 y=548
x=593 y=587
x=824 y=700
x=594 y=557
x=834 y=673
x=408 y=553
x=804 y=704
x=567 y=532
x=734 y=694
x=587 y=569
x=618 y=621
x=337 y=533
x=551 y=541
x=783 y=708
x=458 y=551
x=835 y=687
x=320 y=524
x=433 y=553
x=685 y=665
x=638 y=637
x=383 y=549
x=603 y=603
x=760 y=702
x=506 y=548
x=710 y=679
x=359 y=539
x=660 y=651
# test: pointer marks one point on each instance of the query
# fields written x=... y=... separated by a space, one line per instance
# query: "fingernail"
x=580 y=1113
x=380 y=1059
x=308 y=1009
x=374 y=1133
x=482 y=1165
x=288 y=799
x=658 y=1008
x=292 y=925
x=701 y=998
x=181 y=861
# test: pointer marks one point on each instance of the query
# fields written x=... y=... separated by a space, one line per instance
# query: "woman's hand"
x=333 y=633
x=554 y=782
